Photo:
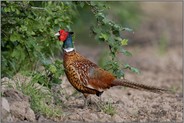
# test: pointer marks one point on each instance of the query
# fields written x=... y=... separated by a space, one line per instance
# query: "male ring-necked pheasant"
x=86 y=76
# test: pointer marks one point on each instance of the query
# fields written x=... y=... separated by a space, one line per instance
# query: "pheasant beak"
x=57 y=34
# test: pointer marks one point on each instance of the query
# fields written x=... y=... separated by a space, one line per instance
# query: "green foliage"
x=28 y=30
x=163 y=44
x=50 y=74
x=108 y=108
x=106 y=30
x=133 y=69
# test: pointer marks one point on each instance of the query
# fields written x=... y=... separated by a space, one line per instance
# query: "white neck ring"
x=69 y=49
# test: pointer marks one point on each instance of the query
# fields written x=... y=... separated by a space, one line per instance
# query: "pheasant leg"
x=86 y=100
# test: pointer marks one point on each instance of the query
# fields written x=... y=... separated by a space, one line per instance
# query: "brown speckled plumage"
x=84 y=75
x=88 y=78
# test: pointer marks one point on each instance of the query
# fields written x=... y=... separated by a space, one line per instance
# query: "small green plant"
x=50 y=75
x=108 y=108
x=173 y=89
x=41 y=100
x=163 y=44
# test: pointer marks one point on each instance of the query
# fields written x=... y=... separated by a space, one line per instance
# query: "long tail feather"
x=127 y=83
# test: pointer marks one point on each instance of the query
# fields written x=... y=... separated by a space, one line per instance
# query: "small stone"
x=7 y=83
x=74 y=117
x=22 y=110
x=5 y=104
x=94 y=116
x=166 y=107
x=42 y=119
x=89 y=117
x=19 y=106
x=30 y=114
x=14 y=95
x=129 y=93
x=104 y=117
x=6 y=116
x=117 y=118
x=5 y=79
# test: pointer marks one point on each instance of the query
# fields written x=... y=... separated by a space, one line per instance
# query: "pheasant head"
x=66 y=38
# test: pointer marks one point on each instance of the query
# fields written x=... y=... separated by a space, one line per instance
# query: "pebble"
x=117 y=118
x=5 y=104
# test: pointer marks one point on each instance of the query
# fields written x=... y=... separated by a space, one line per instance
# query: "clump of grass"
x=108 y=108
x=41 y=101
x=173 y=89
x=163 y=44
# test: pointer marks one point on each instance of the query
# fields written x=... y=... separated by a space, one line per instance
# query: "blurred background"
x=156 y=24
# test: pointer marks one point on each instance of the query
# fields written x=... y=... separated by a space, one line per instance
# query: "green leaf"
x=82 y=4
x=118 y=39
x=125 y=52
x=127 y=29
x=127 y=66
x=119 y=73
x=124 y=42
x=100 y=15
x=23 y=28
x=17 y=12
x=116 y=27
x=15 y=54
x=96 y=30
x=105 y=20
x=93 y=3
x=104 y=36
x=14 y=37
x=135 y=70
x=12 y=8
x=7 y=9
x=52 y=68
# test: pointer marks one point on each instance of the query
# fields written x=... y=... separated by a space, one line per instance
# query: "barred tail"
x=127 y=83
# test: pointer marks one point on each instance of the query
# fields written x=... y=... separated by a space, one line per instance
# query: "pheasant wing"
x=93 y=76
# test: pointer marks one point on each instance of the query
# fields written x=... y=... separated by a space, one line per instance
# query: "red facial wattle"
x=63 y=35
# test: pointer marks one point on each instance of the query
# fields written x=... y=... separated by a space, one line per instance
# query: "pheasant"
x=87 y=77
